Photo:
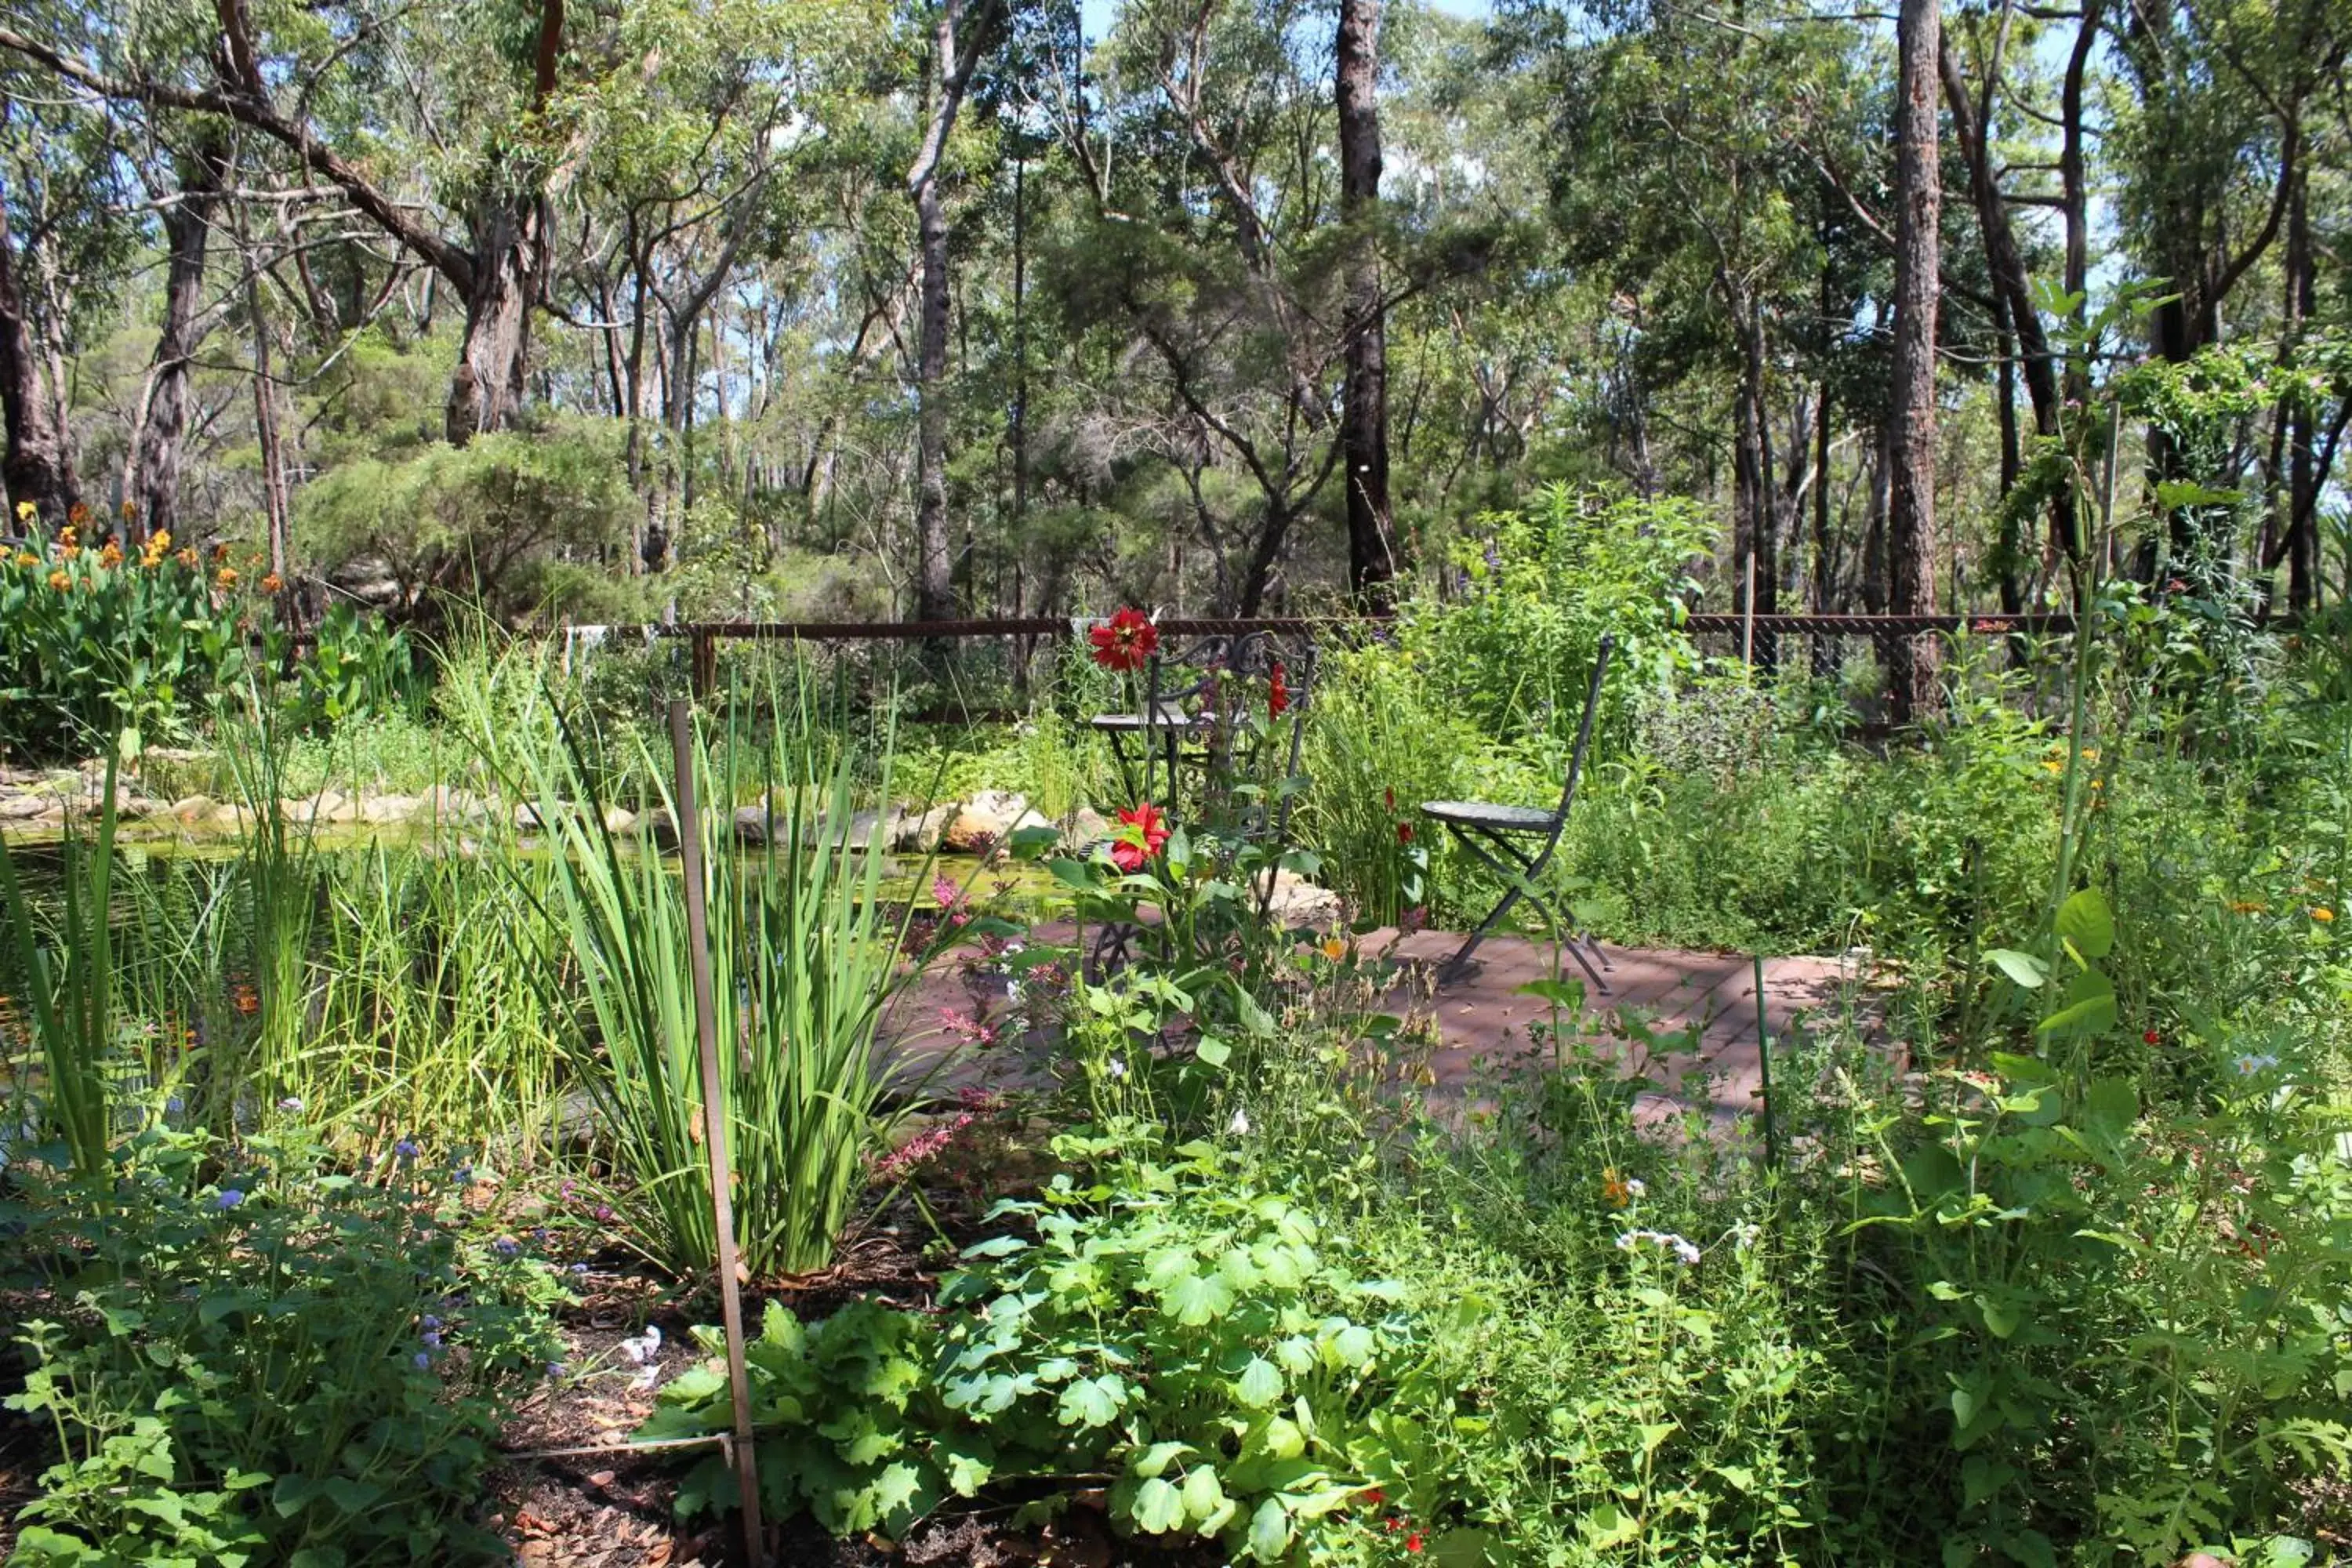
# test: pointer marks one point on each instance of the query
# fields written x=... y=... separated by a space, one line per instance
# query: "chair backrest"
x=1238 y=669
x=1583 y=736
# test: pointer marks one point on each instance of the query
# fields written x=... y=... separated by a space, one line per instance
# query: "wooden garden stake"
x=1764 y=1067
x=714 y=1124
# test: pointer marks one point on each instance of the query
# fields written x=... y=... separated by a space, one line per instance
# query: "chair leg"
x=1576 y=942
x=1454 y=968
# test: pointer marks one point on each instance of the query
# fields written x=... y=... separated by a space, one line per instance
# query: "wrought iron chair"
x=1516 y=841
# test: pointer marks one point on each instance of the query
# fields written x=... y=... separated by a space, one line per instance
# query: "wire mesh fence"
x=981 y=671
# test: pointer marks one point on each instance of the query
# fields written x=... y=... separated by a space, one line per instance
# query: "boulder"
x=915 y=834
x=192 y=809
x=22 y=807
x=1299 y=902
x=384 y=810
x=1087 y=827
x=983 y=822
x=620 y=821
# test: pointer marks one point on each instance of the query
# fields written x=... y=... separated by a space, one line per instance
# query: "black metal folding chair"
x=1516 y=841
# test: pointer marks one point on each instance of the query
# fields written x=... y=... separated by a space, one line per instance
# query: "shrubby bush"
x=253 y=1361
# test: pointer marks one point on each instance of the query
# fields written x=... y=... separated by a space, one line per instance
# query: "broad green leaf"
x=1205 y=1500
x=1155 y=1460
x=1260 y=1384
x=2085 y=920
x=1091 y=1402
x=1159 y=1507
x=2023 y=967
x=1197 y=1299
x=1269 y=1532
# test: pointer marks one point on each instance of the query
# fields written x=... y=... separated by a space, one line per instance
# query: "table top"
x=1167 y=718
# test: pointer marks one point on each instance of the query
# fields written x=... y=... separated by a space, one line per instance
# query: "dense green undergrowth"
x=2065 y=1280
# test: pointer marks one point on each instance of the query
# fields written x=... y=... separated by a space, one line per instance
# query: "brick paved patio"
x=1701 y=1008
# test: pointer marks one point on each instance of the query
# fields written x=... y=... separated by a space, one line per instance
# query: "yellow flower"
x=111 y=556
x=2090 y=754
x=2322 y=913
x=225 y=578
x=60 y=582
x=66 y=534
x=1334 y=949
x=27 y=558
x=2055 y=767
x=1613 y=1189
x=185 y=557
x=27 y=512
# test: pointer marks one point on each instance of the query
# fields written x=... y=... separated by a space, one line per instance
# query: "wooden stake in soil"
x=1764 y=1068
x=714 y=1124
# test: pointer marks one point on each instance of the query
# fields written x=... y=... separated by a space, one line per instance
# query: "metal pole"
x=1748 y=616
x=714 y=1122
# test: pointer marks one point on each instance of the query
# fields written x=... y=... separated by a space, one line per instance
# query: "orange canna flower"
x=271 y=584
x=60 y=582
x=226 y=577
x=220 y=552
x=111 y=556
x=2322 y=913
x=1614 y=1188
x=129 y=509
x=185 y=557
x=78 y=515
x=27 y=558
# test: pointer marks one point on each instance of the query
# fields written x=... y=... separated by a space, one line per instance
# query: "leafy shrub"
x=479 y=524
x=1207 y=1342
x=93 y=642
x=1550 y=582
x=282 y=1366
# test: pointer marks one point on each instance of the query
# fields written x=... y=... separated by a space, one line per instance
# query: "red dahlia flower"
x=1143 y=834
x=1125 y=641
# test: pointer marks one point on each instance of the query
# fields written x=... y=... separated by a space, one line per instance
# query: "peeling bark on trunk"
x=510 y=248
x=1364 y=417
x=38 y=465
x=187 y=229
x=1911 y=436
x=958 y=47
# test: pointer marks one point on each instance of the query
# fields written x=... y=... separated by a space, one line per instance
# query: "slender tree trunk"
x=958 y=41
x=2302 y=469
x=2075 y=198
x=187 y=228
x=265 y=427
x=1911 y=440
x=38 y=465
x=1364 y=415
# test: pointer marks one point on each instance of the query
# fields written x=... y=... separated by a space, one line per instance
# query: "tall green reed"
x=68 y=982
x=805 y=960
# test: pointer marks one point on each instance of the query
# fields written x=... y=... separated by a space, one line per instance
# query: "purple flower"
x=538 y=1234
x=556 y=1368
x=504 y=1246
x=579 y=1268
x=423 y=1360
x=406 y=1149
x=290 y=1103
x=432 y=1323
x=604 y=1214
x=432 y=1340
x=228 y=1199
